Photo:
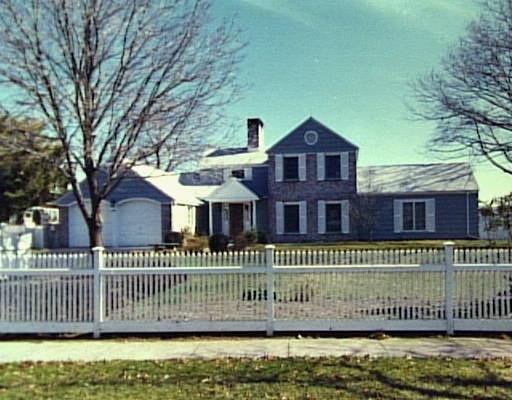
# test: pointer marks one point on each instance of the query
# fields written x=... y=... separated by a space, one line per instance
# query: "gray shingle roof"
x=416 y=178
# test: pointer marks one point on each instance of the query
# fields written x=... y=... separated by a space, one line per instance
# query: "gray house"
x=307 y=187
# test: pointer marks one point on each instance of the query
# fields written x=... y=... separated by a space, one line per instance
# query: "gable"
x=232 y=191
x=132 y=186
x=327 y=141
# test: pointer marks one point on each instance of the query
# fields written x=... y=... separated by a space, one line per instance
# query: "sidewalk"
x=134 y=349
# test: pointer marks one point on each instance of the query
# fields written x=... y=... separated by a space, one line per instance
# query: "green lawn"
x=401 y=244
x=334 y=378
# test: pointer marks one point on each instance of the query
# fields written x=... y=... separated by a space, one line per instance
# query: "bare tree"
x=118 y=81
x=470 y=96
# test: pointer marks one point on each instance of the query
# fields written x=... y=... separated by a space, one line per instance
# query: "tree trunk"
x=95 y=230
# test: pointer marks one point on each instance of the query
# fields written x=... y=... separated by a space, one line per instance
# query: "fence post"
x=269 y=258
x=449 y=286
x=98 y=298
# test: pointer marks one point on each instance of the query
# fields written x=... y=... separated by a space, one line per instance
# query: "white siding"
x=182 y=217
x=77 y=228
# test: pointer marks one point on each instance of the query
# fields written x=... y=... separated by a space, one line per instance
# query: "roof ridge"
x=414 y=164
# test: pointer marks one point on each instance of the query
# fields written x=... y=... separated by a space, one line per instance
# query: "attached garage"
x=139 y=222
x=79 y=232
x=139 y=212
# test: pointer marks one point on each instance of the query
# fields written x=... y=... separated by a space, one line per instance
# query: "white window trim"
x=344 y=166
x=301 y=165
x=322 y=220
x=430 y=215
x=302 y=217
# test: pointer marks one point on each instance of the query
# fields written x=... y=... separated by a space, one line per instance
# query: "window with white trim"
x=414 y=215
x=333 y=216
x=291 y=168
x=332 y=166
x=291 y=218
x=239 y=173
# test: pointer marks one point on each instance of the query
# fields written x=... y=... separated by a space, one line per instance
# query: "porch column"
x=210 y=219
x=254 y=224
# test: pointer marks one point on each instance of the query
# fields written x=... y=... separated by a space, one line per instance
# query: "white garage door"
x=139 y=223
x=79 y=232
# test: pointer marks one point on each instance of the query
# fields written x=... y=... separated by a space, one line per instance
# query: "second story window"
x=332 y=167
x=291 y=168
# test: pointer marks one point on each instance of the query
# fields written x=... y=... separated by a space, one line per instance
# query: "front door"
x=236 y=219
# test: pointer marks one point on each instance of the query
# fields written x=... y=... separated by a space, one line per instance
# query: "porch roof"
x=232 y=191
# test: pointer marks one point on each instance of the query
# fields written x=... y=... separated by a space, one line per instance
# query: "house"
x=307 y=187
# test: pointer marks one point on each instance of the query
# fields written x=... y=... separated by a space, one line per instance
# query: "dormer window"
x=238 y=173
x=244 y=174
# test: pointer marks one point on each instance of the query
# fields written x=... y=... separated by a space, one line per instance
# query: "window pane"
x=419 y=216
x=291 y=218
x=408 y=217
x=291 y=168
x=238 y=173
x=332 y=167
x=333 y=217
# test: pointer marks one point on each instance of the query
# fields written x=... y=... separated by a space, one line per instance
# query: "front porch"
x=238 y=210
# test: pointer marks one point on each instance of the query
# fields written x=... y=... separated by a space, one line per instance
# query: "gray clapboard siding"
x=451 y=214
x=328 y=140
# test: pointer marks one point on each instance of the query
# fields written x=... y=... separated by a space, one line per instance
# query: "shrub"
x=218 y=242
x=251 y=237
x=262 y=237
x=240 y=242
x=195 y=243
x=174 y=237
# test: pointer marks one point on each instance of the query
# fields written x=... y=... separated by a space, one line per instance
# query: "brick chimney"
x=255 y=134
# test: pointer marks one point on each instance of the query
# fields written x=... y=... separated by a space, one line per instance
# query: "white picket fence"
x=269 y=291
x=170 y=259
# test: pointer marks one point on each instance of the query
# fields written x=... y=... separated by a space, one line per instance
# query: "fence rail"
x=179 y=259
x=259 y=291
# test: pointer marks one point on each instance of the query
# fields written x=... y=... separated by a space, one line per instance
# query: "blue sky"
x=348 y=63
